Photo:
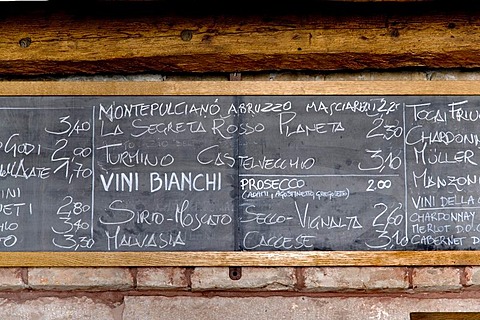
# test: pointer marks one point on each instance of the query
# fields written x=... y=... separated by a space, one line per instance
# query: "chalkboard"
x=167 y=172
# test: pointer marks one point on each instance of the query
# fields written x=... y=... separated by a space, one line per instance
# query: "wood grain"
x=240 y=259
x=115 y=39
x=39 y=88
x=445 y=316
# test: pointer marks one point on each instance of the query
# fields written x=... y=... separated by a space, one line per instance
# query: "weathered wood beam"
x=107 y=39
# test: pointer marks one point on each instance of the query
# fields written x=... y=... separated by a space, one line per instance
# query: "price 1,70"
x=64 y=162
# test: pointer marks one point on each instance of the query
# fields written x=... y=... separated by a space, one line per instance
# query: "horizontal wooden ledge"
x=40 y=43
x=240 y=259
x=106 y=88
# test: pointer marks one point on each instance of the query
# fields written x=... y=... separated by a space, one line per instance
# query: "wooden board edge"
x=240 y=259
x=267 y=259
x=460 y=315
x=104 y=88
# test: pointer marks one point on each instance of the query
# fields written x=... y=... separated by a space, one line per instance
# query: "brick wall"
x=261 y=293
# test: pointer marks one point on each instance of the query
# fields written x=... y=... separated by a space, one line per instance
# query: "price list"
x=236 y=173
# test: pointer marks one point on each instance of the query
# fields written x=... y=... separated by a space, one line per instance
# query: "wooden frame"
x=240 y=259
x=38 y=88
x=264 y=258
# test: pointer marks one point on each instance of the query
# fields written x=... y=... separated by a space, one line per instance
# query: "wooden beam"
x=107 y=39
x=240 y=258
x=243 y=88
x=445 y=316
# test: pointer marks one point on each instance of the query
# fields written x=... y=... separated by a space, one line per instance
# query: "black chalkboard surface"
x=239 y=172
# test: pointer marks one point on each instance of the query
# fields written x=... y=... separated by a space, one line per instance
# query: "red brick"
x=472 y=277
x=80 y=278
x=54 y=308
x=162 y=278
x=11 y=279
x=436 y=279
x=270 y=279
x=295 y=308
x=356 y=278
